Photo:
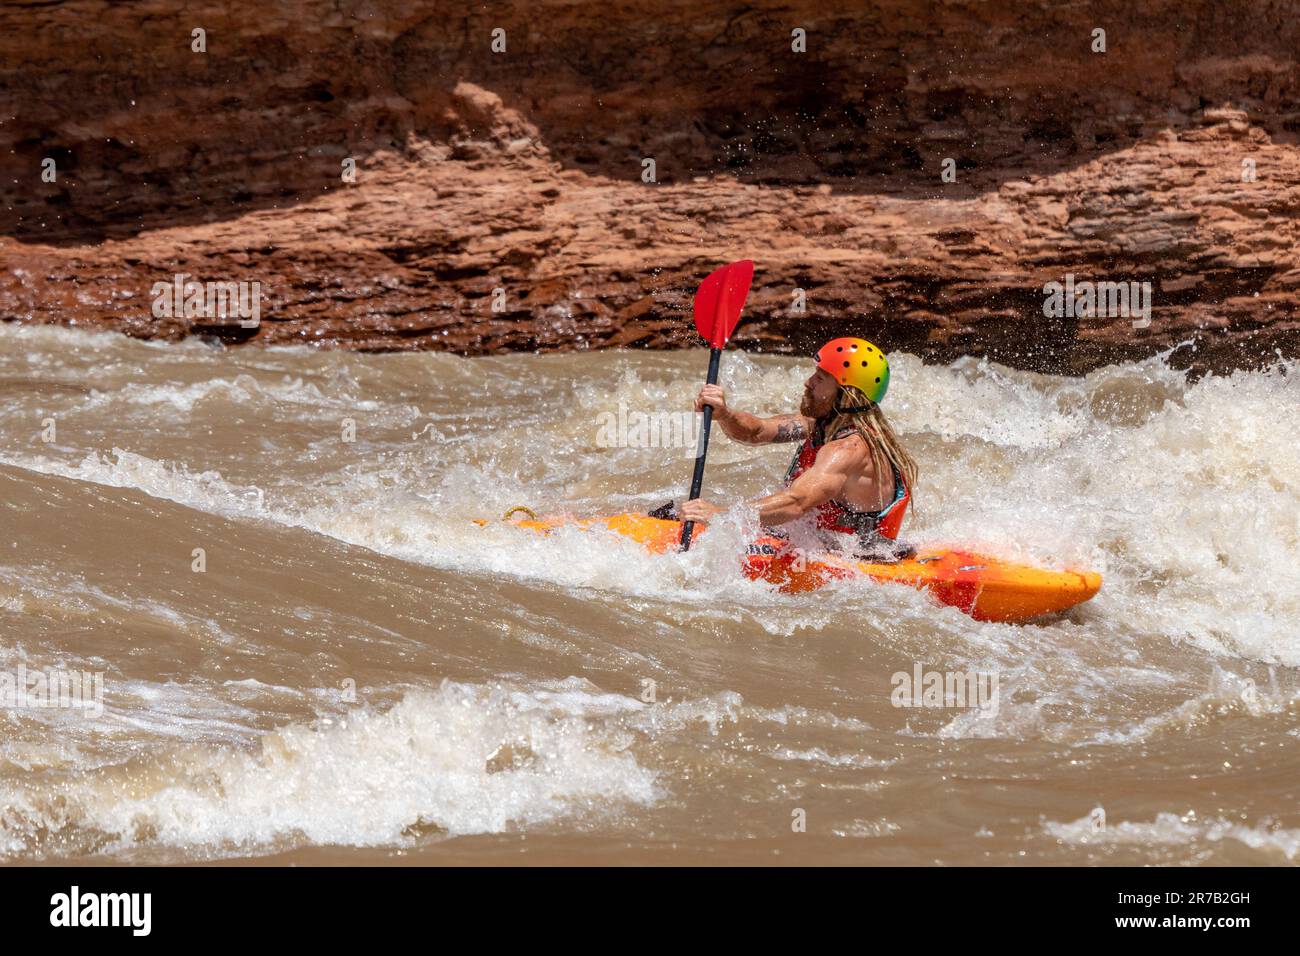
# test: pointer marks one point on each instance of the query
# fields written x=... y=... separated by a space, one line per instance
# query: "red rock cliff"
x=521 y=170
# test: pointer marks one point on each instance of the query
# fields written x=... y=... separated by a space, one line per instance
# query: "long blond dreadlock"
x=882 y=443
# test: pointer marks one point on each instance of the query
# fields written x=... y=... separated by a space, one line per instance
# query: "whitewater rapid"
x=362 y=666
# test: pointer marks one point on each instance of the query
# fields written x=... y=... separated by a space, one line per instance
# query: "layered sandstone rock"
x=499 y=202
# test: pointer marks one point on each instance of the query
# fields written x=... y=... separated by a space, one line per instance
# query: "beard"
x=812 y=408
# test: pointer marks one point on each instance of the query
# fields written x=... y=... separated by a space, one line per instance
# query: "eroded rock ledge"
x=521 y=171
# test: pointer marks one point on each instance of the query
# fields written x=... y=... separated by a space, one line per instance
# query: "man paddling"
x=851 y=474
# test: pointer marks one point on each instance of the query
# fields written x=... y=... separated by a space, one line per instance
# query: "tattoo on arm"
x=792 y=430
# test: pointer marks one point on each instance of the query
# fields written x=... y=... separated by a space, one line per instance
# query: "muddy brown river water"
x=310 y=653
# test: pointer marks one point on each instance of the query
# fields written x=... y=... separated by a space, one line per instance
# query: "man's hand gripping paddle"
x=718 y=303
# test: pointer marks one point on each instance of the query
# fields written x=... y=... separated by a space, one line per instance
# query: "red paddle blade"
x=720 y=299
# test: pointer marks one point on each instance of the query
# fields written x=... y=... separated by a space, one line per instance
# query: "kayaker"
x=851 y=473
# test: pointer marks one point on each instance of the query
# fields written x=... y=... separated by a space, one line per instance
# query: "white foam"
x=1170 y=829
x=1184 y=495
x=370 y=778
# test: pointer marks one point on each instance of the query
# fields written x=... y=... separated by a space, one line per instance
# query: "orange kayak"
x=985 y=587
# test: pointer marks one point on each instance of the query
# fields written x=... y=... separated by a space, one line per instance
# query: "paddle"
x=718 y=302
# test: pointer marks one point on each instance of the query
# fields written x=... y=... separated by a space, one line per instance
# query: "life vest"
x=840 y=516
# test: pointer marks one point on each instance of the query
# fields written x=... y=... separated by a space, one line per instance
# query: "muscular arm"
x=752 y=430
x=836 y=462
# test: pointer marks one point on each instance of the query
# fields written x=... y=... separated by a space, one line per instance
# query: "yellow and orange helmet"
x=858 y=363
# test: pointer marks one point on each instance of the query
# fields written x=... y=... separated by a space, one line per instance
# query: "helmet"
x=858 y=363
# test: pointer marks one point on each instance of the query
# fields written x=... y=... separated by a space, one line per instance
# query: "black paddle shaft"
x=702 y=448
